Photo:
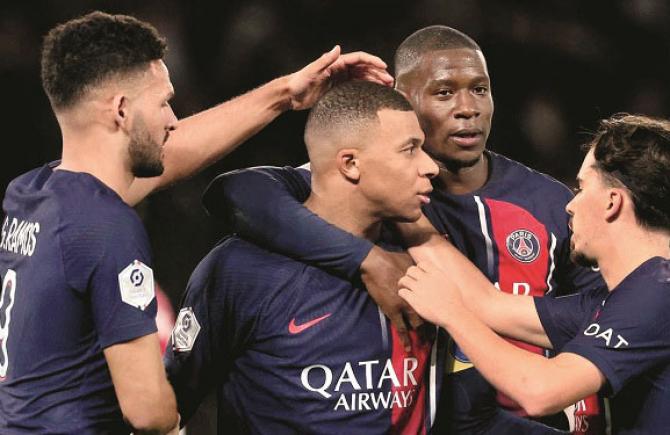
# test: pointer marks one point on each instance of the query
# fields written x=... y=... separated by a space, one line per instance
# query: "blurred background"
x=557 y=66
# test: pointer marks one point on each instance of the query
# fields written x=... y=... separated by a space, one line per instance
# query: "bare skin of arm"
x=146 y=398
x=509 y=315
x=201 y=139
x=540 y=385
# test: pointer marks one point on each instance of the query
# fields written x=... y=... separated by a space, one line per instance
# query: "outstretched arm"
x=205 y=137
x=542 y=386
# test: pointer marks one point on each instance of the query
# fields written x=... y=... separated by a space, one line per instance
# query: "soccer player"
x=507 y=218
x=288 y=347
x=79 y=351
x=615 y=339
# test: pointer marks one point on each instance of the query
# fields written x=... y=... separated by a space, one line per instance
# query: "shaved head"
x=342 y=116
x=432 y=38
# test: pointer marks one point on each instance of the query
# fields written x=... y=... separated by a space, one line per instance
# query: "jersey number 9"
x=6 y=304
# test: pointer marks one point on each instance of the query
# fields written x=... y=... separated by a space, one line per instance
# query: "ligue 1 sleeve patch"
x=136 y=283
x=186 y=330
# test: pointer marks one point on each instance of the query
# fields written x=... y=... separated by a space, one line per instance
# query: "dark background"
x=556 y=66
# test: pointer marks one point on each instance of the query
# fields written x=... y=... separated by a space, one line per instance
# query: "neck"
x=629 y=252
x=341 y=207
x=98 y=154
x=463 y=180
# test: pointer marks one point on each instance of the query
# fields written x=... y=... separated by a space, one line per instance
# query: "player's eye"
x=576 y=190
x=481 y=90
x=444 y=92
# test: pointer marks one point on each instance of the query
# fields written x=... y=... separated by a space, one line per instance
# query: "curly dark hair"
x=426 y=40
x=633 y=151
x=90 y=49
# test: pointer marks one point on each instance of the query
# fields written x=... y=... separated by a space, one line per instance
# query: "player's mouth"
x=424 y=196
x=467 y=137
x=167 y=135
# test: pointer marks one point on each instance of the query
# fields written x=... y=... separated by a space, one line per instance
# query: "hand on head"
x=311 y=82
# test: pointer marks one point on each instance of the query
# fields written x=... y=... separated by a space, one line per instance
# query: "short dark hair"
x=90 y=49
x=352 y=104
x=429 y=39
x=634 y=151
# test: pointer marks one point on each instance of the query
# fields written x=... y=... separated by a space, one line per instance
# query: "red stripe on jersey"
x=588 y=418
x=523 y=261
x=411 y=419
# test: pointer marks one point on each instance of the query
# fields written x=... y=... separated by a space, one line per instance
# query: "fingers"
x=360 y=66
x=361 y=57
x=372 y=75
x=325 y=61
x=407 y=295
x=406 y=282
x=415 y=272
x=400 y=326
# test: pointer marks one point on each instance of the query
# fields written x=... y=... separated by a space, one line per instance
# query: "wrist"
x=279 y=94
x=371 y=261
x=457 y=317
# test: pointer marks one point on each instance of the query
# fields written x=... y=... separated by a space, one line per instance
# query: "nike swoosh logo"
x=297 y=329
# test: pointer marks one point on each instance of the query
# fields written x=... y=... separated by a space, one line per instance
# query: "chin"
x=409 y=217
x=462 y=159
x=582 y=259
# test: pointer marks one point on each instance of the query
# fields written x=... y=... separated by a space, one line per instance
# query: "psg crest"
x=523 y=245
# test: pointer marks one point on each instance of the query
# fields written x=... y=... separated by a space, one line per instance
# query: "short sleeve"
x=561 y=317
x=106 y=258
x=629 y=336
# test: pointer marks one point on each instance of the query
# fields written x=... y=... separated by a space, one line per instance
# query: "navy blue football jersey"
x=289 y=348
x=76 y=278
x=626 y=334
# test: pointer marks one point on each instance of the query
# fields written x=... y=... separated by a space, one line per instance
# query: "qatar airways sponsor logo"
x=376 y=384
x=18 y=236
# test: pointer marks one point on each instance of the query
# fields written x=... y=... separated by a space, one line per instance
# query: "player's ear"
x=120 y=110
x=615 y=205
x=348 y=164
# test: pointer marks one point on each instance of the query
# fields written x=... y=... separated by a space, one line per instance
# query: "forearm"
x=512 y=316
x=538 y=384
x=145 y=397
x=205 y=137
x=202 y=139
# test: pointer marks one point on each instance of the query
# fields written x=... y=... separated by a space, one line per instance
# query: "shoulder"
x=86 y=203
x=95 y=224
x=243 y=266
x=645 y=293
x=531 y=180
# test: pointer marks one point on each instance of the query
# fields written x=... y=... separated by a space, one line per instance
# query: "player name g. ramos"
x=19 y=237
